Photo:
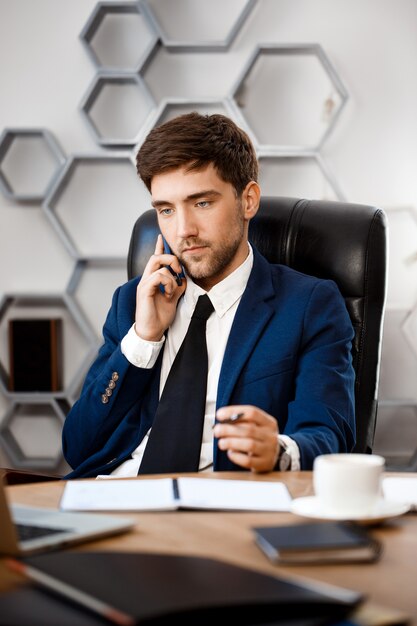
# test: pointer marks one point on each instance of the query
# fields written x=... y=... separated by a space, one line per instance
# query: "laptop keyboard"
x=26 y=531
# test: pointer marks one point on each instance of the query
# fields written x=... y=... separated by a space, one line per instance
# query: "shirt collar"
x=226 y=292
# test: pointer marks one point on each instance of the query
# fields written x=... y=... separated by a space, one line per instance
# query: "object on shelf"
x=35 y=353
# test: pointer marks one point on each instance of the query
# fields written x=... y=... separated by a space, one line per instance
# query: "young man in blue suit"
x=279 y=342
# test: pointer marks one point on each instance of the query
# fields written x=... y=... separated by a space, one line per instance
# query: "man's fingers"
x=159 y=246
x=160 y=259
x=154 y=280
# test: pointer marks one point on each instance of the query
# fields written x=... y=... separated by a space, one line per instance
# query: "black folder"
x=155 y=589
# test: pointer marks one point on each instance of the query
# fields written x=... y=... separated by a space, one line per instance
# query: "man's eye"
x=203 y=204
x=165 y=211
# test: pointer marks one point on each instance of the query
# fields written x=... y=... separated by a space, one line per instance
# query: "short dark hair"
x=194 y=140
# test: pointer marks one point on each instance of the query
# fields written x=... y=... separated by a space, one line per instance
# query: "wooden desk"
x=391 y=583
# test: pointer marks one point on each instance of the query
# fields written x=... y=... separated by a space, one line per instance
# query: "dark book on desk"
x=154 y=589
x=317 y=542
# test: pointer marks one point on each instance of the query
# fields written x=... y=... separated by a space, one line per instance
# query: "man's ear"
x=251 y=197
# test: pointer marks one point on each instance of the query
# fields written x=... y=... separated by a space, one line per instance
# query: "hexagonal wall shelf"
x=296 y=85
x=84 y=205
x=118 y=36
x=297 y=175
x=31 y=434
x=174 y=20
x=115 y=108
x=30 y=159
x=79 y=340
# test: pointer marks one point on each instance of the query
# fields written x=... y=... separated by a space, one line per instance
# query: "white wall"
x=372 y=152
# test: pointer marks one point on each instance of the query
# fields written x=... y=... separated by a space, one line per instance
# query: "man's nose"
x=186 y=226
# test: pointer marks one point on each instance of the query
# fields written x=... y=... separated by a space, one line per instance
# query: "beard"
x=216 y=257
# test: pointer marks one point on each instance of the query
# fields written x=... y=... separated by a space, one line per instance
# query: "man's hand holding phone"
x=156 y=306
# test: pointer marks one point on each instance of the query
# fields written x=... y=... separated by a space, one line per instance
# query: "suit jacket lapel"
x=252 y=315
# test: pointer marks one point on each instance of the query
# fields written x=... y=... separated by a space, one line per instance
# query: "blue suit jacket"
x=288 y=353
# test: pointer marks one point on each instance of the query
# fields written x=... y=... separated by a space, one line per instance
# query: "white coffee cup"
x=348 y=485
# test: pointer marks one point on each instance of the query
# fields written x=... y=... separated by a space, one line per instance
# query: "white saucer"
x=383 y=510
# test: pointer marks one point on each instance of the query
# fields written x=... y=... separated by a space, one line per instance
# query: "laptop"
x=26 y=530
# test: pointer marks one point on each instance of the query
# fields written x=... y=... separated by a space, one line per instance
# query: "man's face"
x=203 y=222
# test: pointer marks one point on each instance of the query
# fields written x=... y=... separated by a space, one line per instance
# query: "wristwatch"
x=284 y=457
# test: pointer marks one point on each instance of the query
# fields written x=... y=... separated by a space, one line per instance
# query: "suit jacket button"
x=112 y=384
x=115 y=376
x=104 y=398
x=108 y=392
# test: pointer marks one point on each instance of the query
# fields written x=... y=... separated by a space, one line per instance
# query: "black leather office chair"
x=342 y=241
x=338 y=240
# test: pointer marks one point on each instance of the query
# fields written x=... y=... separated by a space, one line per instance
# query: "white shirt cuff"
x=138 y=351
x=292 y=450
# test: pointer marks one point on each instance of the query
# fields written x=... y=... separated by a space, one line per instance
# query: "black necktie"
x=174 y=443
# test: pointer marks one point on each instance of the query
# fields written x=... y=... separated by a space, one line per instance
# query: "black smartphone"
x=178 y=277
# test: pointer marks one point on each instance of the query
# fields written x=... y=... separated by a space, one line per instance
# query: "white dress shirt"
x=225 y=297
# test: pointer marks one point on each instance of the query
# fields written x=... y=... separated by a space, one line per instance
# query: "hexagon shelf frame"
x=40 y=410
x=115 y=108
x=141 y=38
x=22 y=301
x=171 y=107
x=237 y=16
x=41 y=160
x=76 y=179
x=314 y=51
x=303 y=157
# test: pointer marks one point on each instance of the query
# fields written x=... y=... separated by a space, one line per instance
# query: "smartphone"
x=181 y=275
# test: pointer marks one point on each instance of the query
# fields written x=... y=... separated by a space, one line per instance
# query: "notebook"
x=169 y=494
x=317 y=542
x=26 y=530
